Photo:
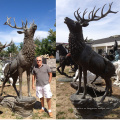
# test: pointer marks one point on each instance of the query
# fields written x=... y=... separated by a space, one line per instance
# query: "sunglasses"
x=38 y=60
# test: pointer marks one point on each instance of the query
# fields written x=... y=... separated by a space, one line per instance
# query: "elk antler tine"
x=111 y=3
x=93 y=12
x=79 y=15
x=84 y=13
x=22 y=23
x=110 y=8
x=89 y=15
x=14 y=22
x=26 y=23
x=102 y=10
x=96 y=12
x=76 y=16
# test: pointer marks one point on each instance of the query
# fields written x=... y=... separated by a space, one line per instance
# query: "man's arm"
x=50 y=77
x=33 y=81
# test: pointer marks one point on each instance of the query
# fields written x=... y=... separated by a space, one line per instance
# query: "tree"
x=13 y=49
x=20 y=46
x=46 y=45
x=52 y=39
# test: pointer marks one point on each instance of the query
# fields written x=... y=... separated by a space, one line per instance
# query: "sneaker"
x=50 y=114
x=41 y=111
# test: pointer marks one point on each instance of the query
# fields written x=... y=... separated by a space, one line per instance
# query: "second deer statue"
x=4 y=46
x=24 y=59
x=84 y=56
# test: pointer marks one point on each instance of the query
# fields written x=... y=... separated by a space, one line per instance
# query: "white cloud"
x=41 y=34
x=17 y=38
x=105 y=27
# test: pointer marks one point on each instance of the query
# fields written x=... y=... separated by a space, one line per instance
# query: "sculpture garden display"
x=87 y=59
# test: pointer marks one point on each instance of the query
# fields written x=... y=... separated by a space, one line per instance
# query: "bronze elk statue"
x=24 y=59
x=63 y=60
x=84 y=56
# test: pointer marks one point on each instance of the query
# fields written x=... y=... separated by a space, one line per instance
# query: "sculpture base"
x=92 y=89
x=65 y=79
x=22 y=107
x=91 y=107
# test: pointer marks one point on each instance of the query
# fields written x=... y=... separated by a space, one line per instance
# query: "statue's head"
x=27 y=31
x=76 y=26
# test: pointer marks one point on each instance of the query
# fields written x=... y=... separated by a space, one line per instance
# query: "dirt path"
x=5 y=113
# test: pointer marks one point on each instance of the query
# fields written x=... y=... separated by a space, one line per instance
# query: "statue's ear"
x=20 y=32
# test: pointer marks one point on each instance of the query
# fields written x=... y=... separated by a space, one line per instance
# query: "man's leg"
x=42 y=103
x=49 y=107
x=49 y=103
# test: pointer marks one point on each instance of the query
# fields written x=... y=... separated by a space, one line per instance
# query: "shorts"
x=43 y=91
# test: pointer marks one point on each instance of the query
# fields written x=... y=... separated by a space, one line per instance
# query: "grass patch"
x=45 y=115
x=70 y=110
x=19 y=117
x=58 y=94
x=35 y=116
x=59 y=114
x=66 y=95
x=58 y=105
x=13 y=114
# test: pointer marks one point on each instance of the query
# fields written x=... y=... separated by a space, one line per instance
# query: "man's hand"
x=68 y=55
x=50 y=77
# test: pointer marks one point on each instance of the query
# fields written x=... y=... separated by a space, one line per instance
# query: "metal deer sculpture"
x=63 y=60
x=24 y=59
x=84 y=56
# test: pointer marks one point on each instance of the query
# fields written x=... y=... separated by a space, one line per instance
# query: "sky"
x=105 y=27
x=43 y=12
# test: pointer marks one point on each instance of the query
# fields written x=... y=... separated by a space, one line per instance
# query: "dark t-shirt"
x=42 y=76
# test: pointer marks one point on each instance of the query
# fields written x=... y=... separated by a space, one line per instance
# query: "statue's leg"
x=76 y=78
x=106 y=90
x=110 y=87
x=14 y=82
x=20 y=70
x=94 y=79
x=62 y=68
x=59 y=69
x=80 y=76
x=85 y=82
x=28 y=82
x=3 y=85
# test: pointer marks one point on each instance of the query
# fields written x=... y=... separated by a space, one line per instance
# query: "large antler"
x=24 y=26
x=4 y=46
x=92 y=15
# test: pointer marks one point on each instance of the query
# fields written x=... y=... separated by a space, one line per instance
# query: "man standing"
x=43 y=76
